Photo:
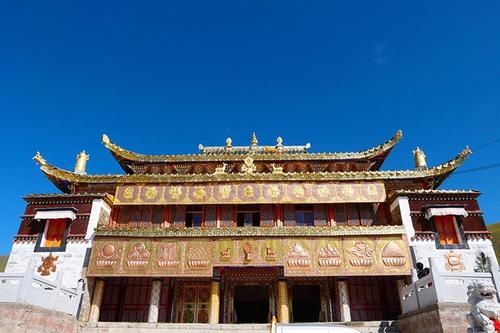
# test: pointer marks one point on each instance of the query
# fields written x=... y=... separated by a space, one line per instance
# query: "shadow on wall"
x=3 y=262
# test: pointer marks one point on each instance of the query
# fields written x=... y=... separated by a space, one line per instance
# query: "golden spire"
x=229 y=142
x=419 y=157
x=254 y=141
x=81 y=163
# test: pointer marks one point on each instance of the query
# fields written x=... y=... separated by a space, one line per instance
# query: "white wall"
x=69 y=262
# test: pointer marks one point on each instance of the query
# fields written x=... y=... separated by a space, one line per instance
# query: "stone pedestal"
x=154 y=301
x=95 y=307
x=213 y=317
x=283 y=312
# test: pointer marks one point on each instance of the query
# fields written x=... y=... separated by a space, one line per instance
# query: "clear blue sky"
x=163 y=77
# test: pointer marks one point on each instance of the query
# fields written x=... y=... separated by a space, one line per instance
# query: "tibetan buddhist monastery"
x=239 y=234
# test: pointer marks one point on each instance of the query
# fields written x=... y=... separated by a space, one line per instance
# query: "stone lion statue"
x=484 y=306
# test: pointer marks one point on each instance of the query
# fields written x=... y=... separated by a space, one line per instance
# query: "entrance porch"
x=246 y=295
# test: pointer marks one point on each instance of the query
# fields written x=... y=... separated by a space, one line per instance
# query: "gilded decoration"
x=454 y=262
x=362 y=254
x=107 y=255
x=300 y=256
x=392 y=255
x=48 y=265
x=250 y=193
x=138 y=256
x=169 y=255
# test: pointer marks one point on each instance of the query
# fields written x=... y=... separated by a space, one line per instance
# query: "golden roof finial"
x=254 y=141
x=105 y=139
x=81 y=163
x=419 y=157
x=229 y=142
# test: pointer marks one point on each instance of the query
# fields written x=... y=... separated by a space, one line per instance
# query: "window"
x=304 y=215
x=248 y=216
x=447 y=230
x=53 y=237
x=194 y=216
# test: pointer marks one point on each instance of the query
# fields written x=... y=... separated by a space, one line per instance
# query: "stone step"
x=102 y=327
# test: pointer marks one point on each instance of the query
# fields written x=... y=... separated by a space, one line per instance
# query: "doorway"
x=251 y=304
x=306 y=304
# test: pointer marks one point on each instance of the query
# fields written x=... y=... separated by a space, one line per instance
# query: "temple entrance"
x=306 y=303
x=251 y=304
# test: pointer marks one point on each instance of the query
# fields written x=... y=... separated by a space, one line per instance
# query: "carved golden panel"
x=299 y=256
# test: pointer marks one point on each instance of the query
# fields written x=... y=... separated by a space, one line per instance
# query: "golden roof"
x=434 y=175
x=234 y=153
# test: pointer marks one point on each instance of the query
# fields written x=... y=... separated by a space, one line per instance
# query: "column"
x=95 y=307
x=214 y=303
x=345 y=309
x=154 y=301
x=283 y=313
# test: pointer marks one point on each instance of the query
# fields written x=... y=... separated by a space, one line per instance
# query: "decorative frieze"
x=299 y=256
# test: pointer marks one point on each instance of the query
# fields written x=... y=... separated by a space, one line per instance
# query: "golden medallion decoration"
x=298 y=191
x=48 y=265
x=151 y=192
x=225 y=191
x=323 y=191
x=175 y=192
x=248 y=191
x=128 y=193
x=248 y=166
x=363 y=254
x=273 y=191
x=199 y=193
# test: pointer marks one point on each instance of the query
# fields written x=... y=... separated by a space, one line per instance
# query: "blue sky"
x=163 y=77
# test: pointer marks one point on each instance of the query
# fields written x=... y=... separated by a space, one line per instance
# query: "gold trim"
x=68 y=176
x=227 y=155
x=283 y=232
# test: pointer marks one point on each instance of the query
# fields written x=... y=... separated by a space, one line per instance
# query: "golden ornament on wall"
x=151 y=192
x=169 y=254
x=48 y=265
x=363 y=254
x=298 y=256
x=107 y=255
x=454 y=262
x=329 y=256
x=138 y=256
x=128 y=193
x=175 y=192
x=392 y=255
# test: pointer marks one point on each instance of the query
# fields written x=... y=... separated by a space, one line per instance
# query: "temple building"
x=242 y=234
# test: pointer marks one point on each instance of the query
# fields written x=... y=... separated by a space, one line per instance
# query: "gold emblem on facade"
x=248 y=166
x=138 y=256
x=298 y=257
x=168 y=255
x=363 y=254
x=329 y=256
x=197 y=256
x=454 y=262
x=273 y=191
x=392 y=255
x=225 y=191
x=175 y=192
x=225 y=254
x=128 y=193
x=199 y=193
x=151 y=192
x=106 y=257
x=270 y=254
x=248 y=251
x=48 y=265
x=298 y=191
x=323 y=191
x=248 y=191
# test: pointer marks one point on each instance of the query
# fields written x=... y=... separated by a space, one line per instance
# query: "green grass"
x=495 y=233
x=3 y=262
